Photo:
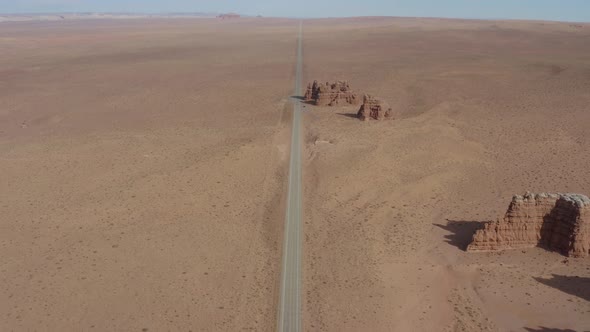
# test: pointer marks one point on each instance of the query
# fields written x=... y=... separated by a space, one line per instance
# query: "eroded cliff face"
x=373 y=108
x=330 y=94
x=558 y=222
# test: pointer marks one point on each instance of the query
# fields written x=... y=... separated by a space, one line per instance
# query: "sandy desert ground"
x=485 y=110
x=143 y=173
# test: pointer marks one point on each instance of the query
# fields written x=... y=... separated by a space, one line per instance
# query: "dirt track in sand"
x=289 y=307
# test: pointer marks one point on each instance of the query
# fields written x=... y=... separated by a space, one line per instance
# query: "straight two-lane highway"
x=289 y=311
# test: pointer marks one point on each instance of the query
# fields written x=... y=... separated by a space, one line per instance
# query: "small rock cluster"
x=339 y=93
x=558 y=222
x=330 y=94
x=374 y=108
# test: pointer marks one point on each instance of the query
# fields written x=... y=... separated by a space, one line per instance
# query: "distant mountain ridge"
x=91 y=15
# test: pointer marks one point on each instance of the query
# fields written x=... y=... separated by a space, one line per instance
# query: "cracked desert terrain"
x=144 y=169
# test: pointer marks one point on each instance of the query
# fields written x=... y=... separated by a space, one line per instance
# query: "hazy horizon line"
x=180 y=13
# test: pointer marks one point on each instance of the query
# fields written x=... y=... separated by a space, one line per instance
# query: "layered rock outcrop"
x=558 y=222
x=330 y=94
x=374 y=108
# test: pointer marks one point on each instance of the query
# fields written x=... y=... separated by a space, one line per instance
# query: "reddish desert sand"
x=143 y=172
x=485 y=110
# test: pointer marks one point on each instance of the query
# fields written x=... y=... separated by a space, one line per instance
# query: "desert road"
x=289 y=311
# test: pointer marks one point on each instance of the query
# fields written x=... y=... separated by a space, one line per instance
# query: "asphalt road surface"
x=289 y=311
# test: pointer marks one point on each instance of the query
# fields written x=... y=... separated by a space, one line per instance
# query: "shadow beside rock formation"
x=573 y=285
x=547 y=329
x=302 y=100
x=461 y=232
x=349 y=115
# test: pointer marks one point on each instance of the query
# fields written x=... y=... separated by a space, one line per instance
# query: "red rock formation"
x=330 y=94
x=311 y=92
x=373 y=108
x=558 y=222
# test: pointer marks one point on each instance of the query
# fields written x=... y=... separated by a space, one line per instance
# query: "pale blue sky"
x=562 y=10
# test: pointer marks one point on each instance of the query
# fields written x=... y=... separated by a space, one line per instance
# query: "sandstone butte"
x=330 y=94
x=559 y=222
x=373 y=108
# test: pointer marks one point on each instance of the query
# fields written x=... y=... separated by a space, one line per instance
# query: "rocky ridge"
x=228 y=16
